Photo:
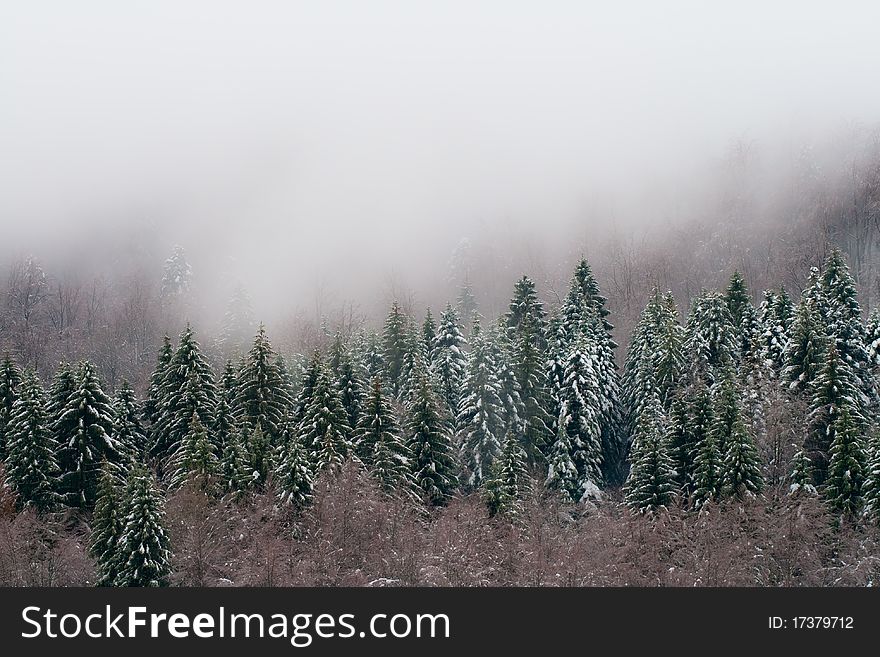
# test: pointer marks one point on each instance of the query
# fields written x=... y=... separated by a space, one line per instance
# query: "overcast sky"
x=379 y=132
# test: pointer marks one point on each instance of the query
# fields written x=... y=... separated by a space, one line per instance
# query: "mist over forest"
x=540 y=276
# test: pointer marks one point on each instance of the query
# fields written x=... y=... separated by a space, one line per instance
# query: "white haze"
x=297 y=144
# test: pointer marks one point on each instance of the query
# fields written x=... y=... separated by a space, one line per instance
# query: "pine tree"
x=324 y=428
x=85 y=436
x=508 y=481
x=513 y=411
x=144 y=551
x=775 y=321
x=801 y=476
x=176 y=276
x=430 y=444
x=429 y=335
x=225 y=425
x=847 y=466
x=351 y=388
x=583 y=275
x=707 y=471
x=711 y=339
x=562 y=472
x=480 y=410
x=228 y=387
x=651 y=484
x=260 y=453
x=236 y=473
x=742 y=312
x=449 y=363
x=580 y=417
x=872 y=340
x=526 y=317
x=528 y=367
x=130 y=433
x=395 y=344
x=871 y=488
x=195 y=458
x=31 y=468
x=294 y=479
x=307 y=389
x=107 y=526
x=380 y=445
x=262 y=396
x=741 y=465
x=187 y=387
x=833 y=389
x=803 y=354
x=10 y=380
x=155 y=401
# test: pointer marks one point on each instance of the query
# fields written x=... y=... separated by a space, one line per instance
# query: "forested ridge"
x=738 y=443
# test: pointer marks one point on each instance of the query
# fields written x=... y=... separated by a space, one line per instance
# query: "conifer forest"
x=502 y=300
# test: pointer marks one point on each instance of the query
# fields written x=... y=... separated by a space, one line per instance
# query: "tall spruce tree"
x=741 y=465
x=107 y=526
x=395 y=343
x=449 y=362
x=351 y=388
x=195 y=459
x=508 y=482
x=429 y=335
x=144 y=550
x=708 y=471
x=10 y=379
x=871 y=488
x=85 y=435
x=711 y=339
x=324 y=427
x=129 y=431
x=651 y=484
x=430 y=443
x=801 y=475
x=847 y=466
x=803 y=354
x=379 y=443
x=31 y=468
x=294 y=479
x=155 y=401
x=480 y=410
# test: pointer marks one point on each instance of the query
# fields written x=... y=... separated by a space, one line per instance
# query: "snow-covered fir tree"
x=847 y=467
x=237 y=476
x=429 y=335
x=129 y=431
x=395 y=344
x=85 y=432
x=592 y=295
x=562 y=472
x=294 y=479
x=379 y=442
x=195 y=459
x=107 y=526
x=801 y=474
x=871 y=488
x=144 y=550
x=188 y=387
x=742 y=313
x=351 y=387
x=31 y=467
x=710 y=337
x=651 y=484
x=448 y=360
x=508 y=481
x=155 y=402
x=10 y=379
x=262 y=396
x=708 y=471
x=803 y=354
x=176 y=276
x=741 y=465
x=480 y=422
x=324 y=428
x=526 y=316
x=429 y=439
x=776 y=314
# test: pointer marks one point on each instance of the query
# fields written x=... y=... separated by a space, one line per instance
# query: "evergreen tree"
x=872 y=340
x=380 y=445
x=741 y=466
x=293 y=474
x=228 y=387
x=85 y=434
x=449 y=363
x=195 y=458
x=395 y=345
x=10 y=379
x=31 y=468
x=651 y=484
x=708 y=471
x=833 y=389
x=594 y=300
x=847 y=467
x=225 y=425
x=236 y=473
x=466 y=304
x=351 y=389
x=430 y=444
x=775 y=321
x=526 y=318
x=262 y=397
x=307 y=389
x=513 y=409
x=130 y=433
x=801 y=476
x=742 y=312
x=871 y=488
x=107 y=526
x=480 y=419
x=527 y=361
x=508 y=481
x=710 y=337
x=155 y=401
x=429 y=335
x=187 y=387
x=144 y=551
x=260 y=453
x=562 y=472
x=803 y=354
x=176 y=276
x=324 y=428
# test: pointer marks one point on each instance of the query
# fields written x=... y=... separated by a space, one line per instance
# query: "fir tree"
x=307 y=389
x=176 y=276
x=130 y=433
x=260 y=452
x=107 y=526
x=466 y=304
x=187 y=387
x=480 y=410
x=351 y=388
x=448 y=359
x=225 y=425
x=380 y=445
x=776 y=316
x=262 y=396
x=528 y=367
x=429 y=335
x=144 y=552
x=508 y=481
x=741 y=466
x=526 y=317
x=801 y=476
x=293 y=474
x=593 y=298
x=395 y=345
x=155 y=401
x=324 y=428
x=651 y=484
x=742 y=312
x=228 y=387
x=562 y=472
x=430 y=444
x=85 y=435
x=711 y=339
x=803 y=354
x=847 y=466
x=708 y=471
x=236 y=473
x=871 y=488
x=10 y=379
x=195 y=458
x=31 y=468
